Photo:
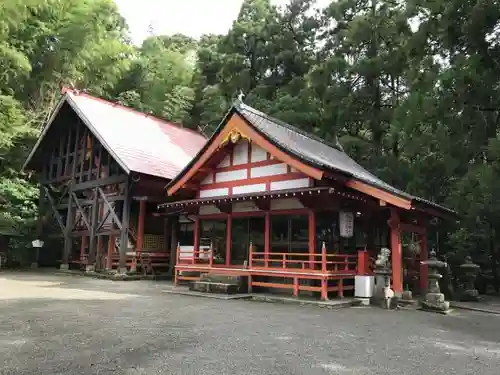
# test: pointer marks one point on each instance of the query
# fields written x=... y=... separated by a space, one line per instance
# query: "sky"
x=189 y=17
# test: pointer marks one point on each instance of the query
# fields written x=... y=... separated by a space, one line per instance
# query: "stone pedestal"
x=89 y=268
x=122 y=271
x=34 y=265
x=64 y=267
x=435 y=302
x=434 y=299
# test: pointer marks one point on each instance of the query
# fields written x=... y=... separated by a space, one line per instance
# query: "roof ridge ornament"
x=239 y=99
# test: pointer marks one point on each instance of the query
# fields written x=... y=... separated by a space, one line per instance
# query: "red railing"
x=192 y=256
x=324 y=262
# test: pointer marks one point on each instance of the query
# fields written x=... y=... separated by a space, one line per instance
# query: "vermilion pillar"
x=396 y=254
x=312 y=238
x=267 y=237
x=229 y=230
x=423 y=267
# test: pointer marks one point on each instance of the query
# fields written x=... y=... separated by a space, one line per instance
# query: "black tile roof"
x=318 y=152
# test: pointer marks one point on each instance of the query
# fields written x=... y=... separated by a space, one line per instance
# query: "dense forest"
x=410 y=89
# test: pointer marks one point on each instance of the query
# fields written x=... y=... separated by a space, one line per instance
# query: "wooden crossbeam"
x=111 y=209
x=80 y=209
x=56 y=213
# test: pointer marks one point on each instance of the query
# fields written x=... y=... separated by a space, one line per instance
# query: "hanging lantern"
x=346 y=224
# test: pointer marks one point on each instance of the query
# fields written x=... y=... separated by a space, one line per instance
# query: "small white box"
x=363 y=286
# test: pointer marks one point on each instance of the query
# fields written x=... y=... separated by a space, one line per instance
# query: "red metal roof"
x=141 y=142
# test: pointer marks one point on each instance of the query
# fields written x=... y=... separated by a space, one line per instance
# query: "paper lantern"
x=346 y=224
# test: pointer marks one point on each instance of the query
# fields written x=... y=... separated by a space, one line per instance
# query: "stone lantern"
x=383 y=293
x=434 y=299
x=468 y=275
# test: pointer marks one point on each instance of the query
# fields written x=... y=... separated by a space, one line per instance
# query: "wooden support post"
x=196 y=234
x=324 y=289
x=140 y=233
x=250 y=255
x=229 y=230
x=93 y=230
x=211 y=255
x=424 y=272
x=341 y=288
x=362 y=266
x=111 y=248
x=267 y=238
x=83 y=245
x=68 y=239
x=396 y=254
x=178 y=257
x=312 y=238
x=122 y=267
x=173 y=226
x=140 y=225
x=323 y=257
x=295 y=286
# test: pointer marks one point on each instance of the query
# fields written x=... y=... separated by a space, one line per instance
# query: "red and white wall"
x=250 y=169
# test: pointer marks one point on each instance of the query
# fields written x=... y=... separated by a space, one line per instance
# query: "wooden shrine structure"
x=284 y=209
x=102 y=169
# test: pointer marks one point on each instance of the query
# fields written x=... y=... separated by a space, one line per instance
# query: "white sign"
x=346 y=224
x=37 y=243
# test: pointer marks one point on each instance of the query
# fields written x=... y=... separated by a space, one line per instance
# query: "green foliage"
x=410 y=88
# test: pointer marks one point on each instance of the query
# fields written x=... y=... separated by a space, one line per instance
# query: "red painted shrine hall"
x=266 y=201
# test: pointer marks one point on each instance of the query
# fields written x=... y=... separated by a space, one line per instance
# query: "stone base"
x=122 y=271
x=34 y=265
x=407 y=295
x=64 y=267
x=435 y=302
x=89 y=268
x=362 y=301
x=212 y=287
x=470 y=295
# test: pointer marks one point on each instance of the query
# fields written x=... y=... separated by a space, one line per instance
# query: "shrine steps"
x=221 y=284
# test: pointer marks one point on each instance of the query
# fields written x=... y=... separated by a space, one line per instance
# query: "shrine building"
x=102 y=169
x=288 y=211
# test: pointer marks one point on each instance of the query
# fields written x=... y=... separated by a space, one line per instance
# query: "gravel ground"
x=73 y=325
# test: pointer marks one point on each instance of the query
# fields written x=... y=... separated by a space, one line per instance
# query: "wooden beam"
x=100 y=182
x=84 y=149
x=111 y=208
x=225 y=207
x=379 y=194
x=124 y=227
x=80 y=209
x=56 y=213
x=263 y=204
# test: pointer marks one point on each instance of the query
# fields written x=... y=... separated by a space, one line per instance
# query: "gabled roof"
x=139 y=142
x=309 y=149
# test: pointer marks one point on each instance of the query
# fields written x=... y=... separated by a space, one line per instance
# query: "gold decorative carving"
x=234 y=136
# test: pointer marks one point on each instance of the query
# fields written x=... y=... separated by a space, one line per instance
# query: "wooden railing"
x=201 y=256
x=336 y=263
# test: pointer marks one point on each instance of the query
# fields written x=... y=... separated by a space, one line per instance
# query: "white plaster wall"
x=286 y=204
x=269 y=170
x=214 y=192
x=290 y=184
x=240 y=153
x=245 y=189
x=239 y=174
x=258 y=153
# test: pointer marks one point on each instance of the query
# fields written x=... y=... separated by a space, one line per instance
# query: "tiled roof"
x=316 y=151
x=140 y=143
